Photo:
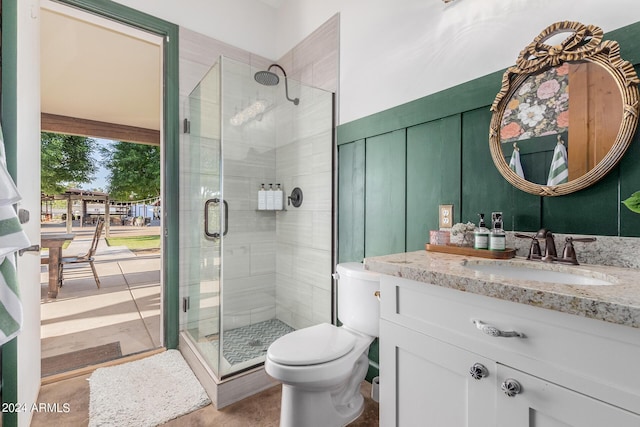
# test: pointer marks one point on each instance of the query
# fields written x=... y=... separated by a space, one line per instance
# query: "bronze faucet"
x=569 y=253
x=534 y=249
x=550 y=252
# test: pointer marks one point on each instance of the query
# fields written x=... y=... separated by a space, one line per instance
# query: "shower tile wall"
x=249 y=250
x=304 y=159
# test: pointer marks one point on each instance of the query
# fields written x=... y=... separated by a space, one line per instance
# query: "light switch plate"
x=446 y=216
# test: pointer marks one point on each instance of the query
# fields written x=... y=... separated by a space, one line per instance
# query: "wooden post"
x=107 y=219
x=69 y=215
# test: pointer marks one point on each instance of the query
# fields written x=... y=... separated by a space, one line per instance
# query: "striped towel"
x=8 y=191
x=10 y=305
x=12 y=239
x=558 y=173
x=514 y=163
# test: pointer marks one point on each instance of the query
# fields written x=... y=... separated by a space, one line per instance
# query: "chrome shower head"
x=267 y=78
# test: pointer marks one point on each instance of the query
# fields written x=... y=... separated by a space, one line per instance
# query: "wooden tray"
x=465 y=250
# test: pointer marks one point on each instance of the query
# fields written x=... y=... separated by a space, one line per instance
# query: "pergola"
x=84 y=197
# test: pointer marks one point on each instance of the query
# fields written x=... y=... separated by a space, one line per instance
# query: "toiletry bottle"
x=262 y=198
x=497 y=237
x=278 y=203
x=270 y=194
x=481 y=235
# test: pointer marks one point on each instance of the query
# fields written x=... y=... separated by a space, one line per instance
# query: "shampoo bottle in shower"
x=270 y=194
x=278 y=203
x=262 y=198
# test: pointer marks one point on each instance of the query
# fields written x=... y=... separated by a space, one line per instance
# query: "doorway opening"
x=102 y=80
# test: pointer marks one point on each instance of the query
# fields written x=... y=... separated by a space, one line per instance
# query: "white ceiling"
x=96 y=69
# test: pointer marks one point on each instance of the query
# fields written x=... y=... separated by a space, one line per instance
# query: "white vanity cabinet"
x=426 y=382
x=571 y=371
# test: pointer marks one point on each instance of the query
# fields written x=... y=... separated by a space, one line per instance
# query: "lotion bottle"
x=262 y=198
x=278 y=203
x=481 y=235
x=270 y=198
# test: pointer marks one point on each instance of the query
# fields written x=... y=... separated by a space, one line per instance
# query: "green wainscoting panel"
x=384 y=228
x=629 y=184
x=433 y=176
x=629 y=168
x=483 y=188
x=351 y=201
x=592 y=211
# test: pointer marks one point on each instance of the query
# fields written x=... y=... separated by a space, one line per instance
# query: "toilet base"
x=335 y=407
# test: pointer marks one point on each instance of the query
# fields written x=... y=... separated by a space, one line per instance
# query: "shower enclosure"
x=250 y=275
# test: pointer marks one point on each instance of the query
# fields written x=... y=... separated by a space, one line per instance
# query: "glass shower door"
x=201 y=218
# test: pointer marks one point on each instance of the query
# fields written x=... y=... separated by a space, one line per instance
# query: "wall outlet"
x=446 y=216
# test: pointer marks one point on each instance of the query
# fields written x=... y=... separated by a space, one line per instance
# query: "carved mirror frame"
x=583 y=44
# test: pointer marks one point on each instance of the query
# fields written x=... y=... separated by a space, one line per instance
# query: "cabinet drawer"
x=539 y=402
x=595 y=357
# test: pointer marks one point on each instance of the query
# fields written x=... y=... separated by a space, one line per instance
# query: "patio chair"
x=88 y=258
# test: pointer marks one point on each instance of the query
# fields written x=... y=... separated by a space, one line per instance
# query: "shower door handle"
x=226 y=217
x=215 y=235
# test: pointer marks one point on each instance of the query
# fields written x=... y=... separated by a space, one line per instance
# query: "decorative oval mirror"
x=566 y=112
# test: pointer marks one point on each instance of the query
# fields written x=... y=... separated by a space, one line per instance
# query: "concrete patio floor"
x=126 y=308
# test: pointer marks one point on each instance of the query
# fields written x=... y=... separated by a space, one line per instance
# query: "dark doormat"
x=81 y=358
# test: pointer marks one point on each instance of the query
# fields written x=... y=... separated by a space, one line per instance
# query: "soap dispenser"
x=497 y=237
x=262 y=198
x=270 y=198
x=481 y=235
x=278 y=201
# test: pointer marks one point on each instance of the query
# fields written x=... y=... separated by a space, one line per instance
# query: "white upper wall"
x=392 y=52
x=247 y=24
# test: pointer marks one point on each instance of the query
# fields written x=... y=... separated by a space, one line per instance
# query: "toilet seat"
x=311 y=346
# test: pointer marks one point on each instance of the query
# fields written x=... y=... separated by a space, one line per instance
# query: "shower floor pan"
x=249 y=343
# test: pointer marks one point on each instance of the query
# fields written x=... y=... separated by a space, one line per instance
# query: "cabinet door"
x=425 y=382
x=543 y=404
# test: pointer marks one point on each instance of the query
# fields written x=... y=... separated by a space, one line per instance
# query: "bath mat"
x=81 y=358
x=145 y=392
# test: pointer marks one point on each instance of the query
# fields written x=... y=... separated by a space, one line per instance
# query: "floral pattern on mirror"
x=540 y=107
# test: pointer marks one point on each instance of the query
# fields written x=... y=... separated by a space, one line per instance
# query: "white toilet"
x=321 y=367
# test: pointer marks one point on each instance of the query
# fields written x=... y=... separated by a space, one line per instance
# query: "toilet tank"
x=358 y=306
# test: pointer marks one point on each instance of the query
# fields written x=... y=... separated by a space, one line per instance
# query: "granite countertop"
x=617 y=303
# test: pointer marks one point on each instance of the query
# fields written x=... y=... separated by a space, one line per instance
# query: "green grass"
x=135 y=242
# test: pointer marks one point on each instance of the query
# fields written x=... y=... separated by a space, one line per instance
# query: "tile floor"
x=260 y=410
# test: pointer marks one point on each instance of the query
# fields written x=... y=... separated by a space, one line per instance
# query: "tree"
x=65 y=162
x=134 y=169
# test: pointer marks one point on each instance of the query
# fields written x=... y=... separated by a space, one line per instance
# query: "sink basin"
x=524 y=272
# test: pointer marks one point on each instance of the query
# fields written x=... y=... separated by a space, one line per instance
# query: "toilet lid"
x=309 y=346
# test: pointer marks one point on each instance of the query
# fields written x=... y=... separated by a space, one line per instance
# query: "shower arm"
x=286 y=85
